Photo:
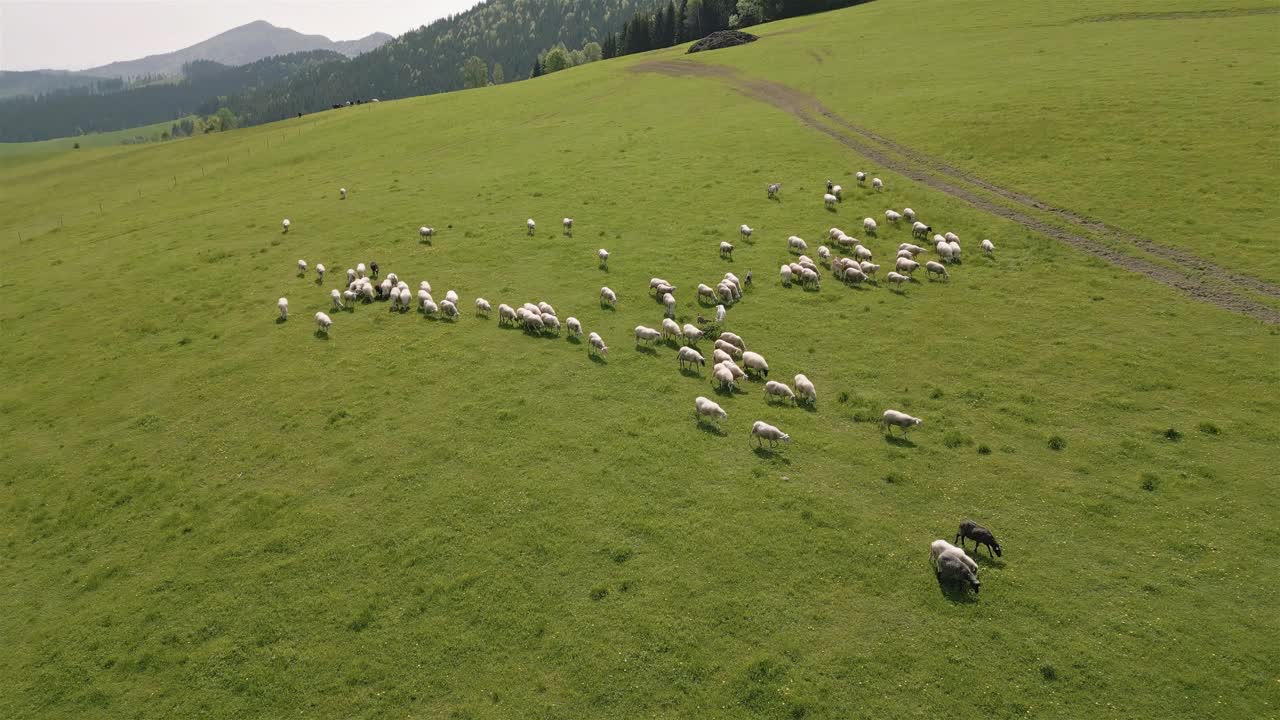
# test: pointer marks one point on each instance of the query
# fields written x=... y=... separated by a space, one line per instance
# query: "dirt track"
x=1202 y=280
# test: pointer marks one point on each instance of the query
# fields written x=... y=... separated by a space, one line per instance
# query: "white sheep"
x=551 y=322
x=733 y=339
x=384 y=288
x=323 y=322
x=655 y=282
x=726 y=249
x=909 y=214
x=944 y=250
x=912 y=249
x=283 y=306
x=904 y=265
x=774 y=189
x=893 y=418
x=575 y=327
x=285 y=225
x=366 y=290
x=337 y=299
x=877 y=184
x=892 y=216
x=482 y=306
x=785 y=274
x=952 y=564
x=745 y=231
x=426 y=233
x=424 y=296
x=546 y=309
x=809 y=276
x=568 y=226
x=720 y=313
x=869 y=226
x=691 y=334
x=723 y=378
x=302 y=267
x=755 y=361
x=706 y=291
x=688 y=355
x=349 y=296
x=395 y=279
x=862 y=252
x=718 y=356
x=320 y=272
x=670 y=328
x=862 y=177
x=733 y=368
x=429 y=307
x=936 y=268
x=424 y=285
x=896 y=278
x=838 y=192
x=669 y=303
x=342 y=193
x=773 y=387
x=603 y=256
x=730 y=348
x=647 y=334
x=920 y=230
x=360 y=270
x=988 y=247
x=824 y=254
x=951 y=237
x=869 y=268
x=531 y=225
x=706 y=408
x=853 y=274
x=830 y=201
x=806 y=389
x=506 y=314
x=795 y=243
x=351 y=276
x=762 y=431
x=449 y=309
x=597 y=344
x=955 y=250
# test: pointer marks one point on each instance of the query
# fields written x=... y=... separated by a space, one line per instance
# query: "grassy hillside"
x=206 y=512
x=10 y=151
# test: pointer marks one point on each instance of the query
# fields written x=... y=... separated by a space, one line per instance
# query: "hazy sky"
x=78 y=34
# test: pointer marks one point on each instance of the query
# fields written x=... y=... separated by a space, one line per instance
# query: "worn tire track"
x=940 y=176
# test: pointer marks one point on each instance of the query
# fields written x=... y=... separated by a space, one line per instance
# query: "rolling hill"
x=207 y=511
x=238 y=46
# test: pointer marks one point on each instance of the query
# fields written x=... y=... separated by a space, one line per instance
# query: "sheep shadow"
x=808 y=407
x=956 y=592
x=690 y=372
x=647 y=350
x=597 y=359
x=710 y=428
x=321 y=335
x=574 y=339
x=831 y=209
x=729 y=391
x=726 y=258
x=899 y=441
x=607 y=306
x=281 y=321
x=764 y=452
x=986 y=560
x=603 y=268
x=319 y=281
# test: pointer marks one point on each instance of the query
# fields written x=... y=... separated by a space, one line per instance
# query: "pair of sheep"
x=953 y=564
x=803 y=385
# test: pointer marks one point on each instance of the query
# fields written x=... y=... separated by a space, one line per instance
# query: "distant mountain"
x=238 y=46
x=37 y=82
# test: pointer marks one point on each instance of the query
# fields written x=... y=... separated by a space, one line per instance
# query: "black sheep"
x=373 y=268
x=980 y=536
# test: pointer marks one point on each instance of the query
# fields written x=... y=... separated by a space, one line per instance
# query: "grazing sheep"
x=830 y=201
x=838 y=192
x=350 y=296
x=691 y=356
x=737 y=372
x=302 y=268
x=869 y=226
x=319 y=272
x=283 y=306
x=351 y=276
x=720 y=313
x=846 y=242
x=533 y=226
x=285 y=225
x=733 y=339
x=868 y=268
x=913 y=249
x=366 y=291
x=608 y=297
x=853 y=274
x=806 y=389
x=904 y=265
x=423 y=297
x=568 y=226
x=809 y=276
x=342 y=193
x=482 y=306
x=936 y=268
x=656 y=282
x=323 y=322
x=920 y=230
x=862 y=252
x=944 y=250
x=795 y=243
x=705 y=291
x=773 y=387
x=909 y=214
x=745 y=231
x=706 y=408
x=337 y=299
x=603 y=255
x=988 y=247
x=824 y=254
x=950 y=237
x=647 y=333
x=955 y=250
x=896 y=279
x=670 y=328
x=723 y=378
x=906 y=254
x=426 y=233
x=892 y=216
x=575 y=327
x=384 y=288
x=774 y=189
x=597 y=345
x=762 y=431
x=951 y=564
x=877 y=184
x=551 y=322
x=506 y=314
x=395 y=279
x=429 y=307
x=829 y=184
x=728 y=347
x=691 y=334
x=980 y=536
x=669 y=303
x=726 y=249
x=861 y=176
x=532 y=321
x=546 y=309
x=756 y=362
x=360 y=270
x=718 y=356
x=893 y=418
x=785 y=274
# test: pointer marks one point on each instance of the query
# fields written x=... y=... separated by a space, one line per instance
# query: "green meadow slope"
x=205 y=512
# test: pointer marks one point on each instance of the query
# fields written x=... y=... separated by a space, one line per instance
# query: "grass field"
x=205 y=512
x=11 y=151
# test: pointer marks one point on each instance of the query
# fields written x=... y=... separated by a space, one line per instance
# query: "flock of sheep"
x=851 y=263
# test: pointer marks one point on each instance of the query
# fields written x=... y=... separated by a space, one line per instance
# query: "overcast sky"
x=78 y=34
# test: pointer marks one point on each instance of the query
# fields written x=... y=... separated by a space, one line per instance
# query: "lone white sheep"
x=608 y=297
x=762 y=431
x=830 y=201
x=796 y=243
x=603 y=256
x=323 y=322
x=285 y=225
x=869 y=226
x=909 y=214
x=806 y=390
x=342 y=193
x=426 y=233
x=482 y=306
x=283 y=306
x=861 y=176
x=575 y=327
x=893 y=418
x=337 y=299
x=988 y=247
x=896 y=278
x=706 y=408
x=568 y=226
x=774 y=189
x=533 y=226
x=597 y=344
x=302 y=267
x=773 y=387
x=877 y=184
x=726 y=249
x=745 y=231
